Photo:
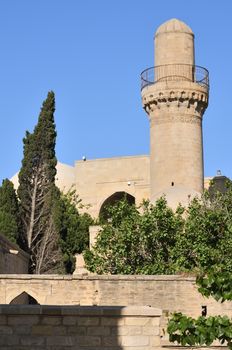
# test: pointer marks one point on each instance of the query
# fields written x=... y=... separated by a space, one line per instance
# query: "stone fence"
x=171 y=293
x=38 y=327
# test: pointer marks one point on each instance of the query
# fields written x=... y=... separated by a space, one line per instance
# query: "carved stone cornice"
x=191 y=97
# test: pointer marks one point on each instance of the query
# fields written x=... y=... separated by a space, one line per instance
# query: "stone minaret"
x=175 y=96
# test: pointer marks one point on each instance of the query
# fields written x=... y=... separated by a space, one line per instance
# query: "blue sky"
x=91 y=53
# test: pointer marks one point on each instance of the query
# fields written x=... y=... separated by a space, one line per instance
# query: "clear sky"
x=91 y=53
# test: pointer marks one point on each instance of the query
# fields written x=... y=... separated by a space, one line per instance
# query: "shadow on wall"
x=24 y=299
x=13 y=260
x=79 y=327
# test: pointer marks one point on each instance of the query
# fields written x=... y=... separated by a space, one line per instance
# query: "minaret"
x=175 y=96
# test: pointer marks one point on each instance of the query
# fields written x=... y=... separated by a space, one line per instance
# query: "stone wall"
x=12 y=258
x=98 y=179
x=79 y=328
x=171 y=293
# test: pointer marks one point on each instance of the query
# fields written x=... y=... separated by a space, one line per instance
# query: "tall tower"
x=175 y=96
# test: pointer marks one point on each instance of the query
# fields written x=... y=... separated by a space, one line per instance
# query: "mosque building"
x=175 y=97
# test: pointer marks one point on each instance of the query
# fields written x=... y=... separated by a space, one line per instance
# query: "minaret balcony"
x=175 y=73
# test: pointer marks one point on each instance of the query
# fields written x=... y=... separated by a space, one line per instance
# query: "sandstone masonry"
x=79 y=328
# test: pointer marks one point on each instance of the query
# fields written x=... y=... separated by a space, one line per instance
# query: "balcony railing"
x=175 y=72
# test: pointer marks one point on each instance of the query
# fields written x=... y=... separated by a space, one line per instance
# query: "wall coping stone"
x=93 y=277
x=113 y=158
x=55 y=310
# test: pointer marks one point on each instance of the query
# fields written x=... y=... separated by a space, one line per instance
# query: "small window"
x=204 y=310
x=172 y=183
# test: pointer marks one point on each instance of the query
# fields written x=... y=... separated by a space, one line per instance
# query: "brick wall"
x=78 y=328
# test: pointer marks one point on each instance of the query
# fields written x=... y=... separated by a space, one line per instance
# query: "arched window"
x=113 y=199
x=24 y=298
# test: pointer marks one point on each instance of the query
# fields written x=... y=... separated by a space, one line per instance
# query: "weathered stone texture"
x=98 y=179
x=92 y=331
x=172 y=293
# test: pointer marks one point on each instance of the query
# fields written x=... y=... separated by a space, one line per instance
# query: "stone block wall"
x=171 y=293
x=78 y=328
x=98 y=179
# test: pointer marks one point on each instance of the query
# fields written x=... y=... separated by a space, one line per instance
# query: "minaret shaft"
x=176 y=150
x=175 y=96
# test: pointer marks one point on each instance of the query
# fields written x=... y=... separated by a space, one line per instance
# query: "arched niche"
x=24 y=298
x=112 y=200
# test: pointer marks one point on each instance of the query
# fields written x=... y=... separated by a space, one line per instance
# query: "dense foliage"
x=216 y=281
x=201 y=331
x=132 y=242
x=153 y=239
x=207 y=236
x=73 y=228
x=10 y=224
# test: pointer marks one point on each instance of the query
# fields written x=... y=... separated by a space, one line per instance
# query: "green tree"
x=73 y=228
x=9 y=212
x=206 y=238
x=37 y=192
x=136 y=240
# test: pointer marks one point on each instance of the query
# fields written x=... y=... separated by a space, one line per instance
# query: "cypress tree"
x=9 y=212
x=37 y=191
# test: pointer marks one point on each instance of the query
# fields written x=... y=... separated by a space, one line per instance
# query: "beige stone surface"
x=171 y=293
x=98 y=179
x=93 y=232
x=174 y=43
x=65 y=178
x=77 y=328
x=80 y=265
